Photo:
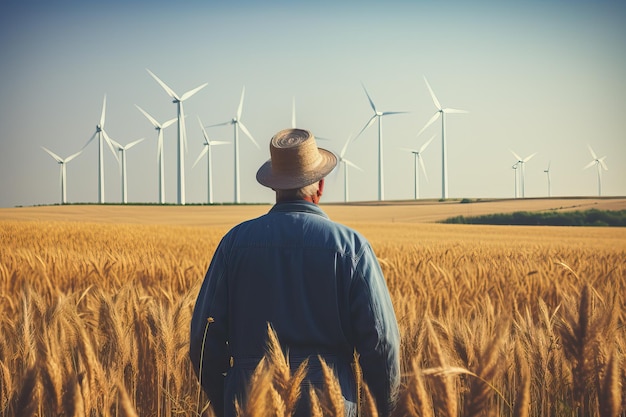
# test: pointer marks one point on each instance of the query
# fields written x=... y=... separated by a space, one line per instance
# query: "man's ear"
x=320 y=190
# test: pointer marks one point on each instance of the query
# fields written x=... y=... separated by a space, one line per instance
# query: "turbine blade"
x=192 y=92
x=204 y=134
x=159 y=145
x=102 y=115
x=345 y=146
x=593 y=154
x=519 y=158
x=430 y=122
x=528 y=158
x=167 y=89
x=130 y=145
x=52 y=154
x=425 y=145
x=387 y=113
x=352 y=164
x=69 y=158
x=230 y=122
x=420 y=161
x=432 y=94
x=150 y=118
x=90 y=139
x=110 y=142
x=168 y=123
x=589 y=164
x=601 y=160
x=218 y=142
x=449 y=110
x=183 y=128
x=368 y=124
x=240 y=108
x=369 y=98
x=204 y=151
x=245 y=130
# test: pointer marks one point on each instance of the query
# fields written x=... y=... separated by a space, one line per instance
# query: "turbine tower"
x=346 y=162
x=444 y=152
x=182 y=133
x=207 y=151
x=522 y=164
x=160 y=159
x=293 y=113
x=102 y=137
x=418 y=160
x=237 y=124
x=63 y=174
x=547 y=171
x=122 y=149
x=600 y=164
x=515 y=166
x=378 y=115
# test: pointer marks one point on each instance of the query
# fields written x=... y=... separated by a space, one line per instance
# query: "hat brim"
x=265 y=176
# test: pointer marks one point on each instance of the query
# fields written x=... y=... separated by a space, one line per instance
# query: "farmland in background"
x=498 y=320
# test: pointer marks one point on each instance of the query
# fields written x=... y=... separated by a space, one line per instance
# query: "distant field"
x=426 y=211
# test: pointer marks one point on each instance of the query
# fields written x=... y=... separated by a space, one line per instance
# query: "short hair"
x=298 y=193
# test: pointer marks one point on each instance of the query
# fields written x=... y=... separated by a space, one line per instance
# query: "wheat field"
x=495 y=320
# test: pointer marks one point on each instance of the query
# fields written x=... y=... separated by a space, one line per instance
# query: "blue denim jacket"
x=320 y=286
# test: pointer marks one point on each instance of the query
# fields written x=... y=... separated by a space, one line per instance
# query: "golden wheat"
x=503 y=321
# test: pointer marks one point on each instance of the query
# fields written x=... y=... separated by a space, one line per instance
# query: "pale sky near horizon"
x=544 y=77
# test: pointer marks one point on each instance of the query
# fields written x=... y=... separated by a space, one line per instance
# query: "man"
x=316 y=282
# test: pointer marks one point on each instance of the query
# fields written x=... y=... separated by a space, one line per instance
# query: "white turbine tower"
x=547 y=171
x=600 y=164
x=293 y=113
x=63 y=174
x=102 y=137
x=159 y=128
x=444 y=151
x=345 y=162
x=378 y=115
x=182 y=133
x=418 y=161
x=522 y=165
x=237 y=124
x=122 y=149
x=207 y=151
x=515 y=167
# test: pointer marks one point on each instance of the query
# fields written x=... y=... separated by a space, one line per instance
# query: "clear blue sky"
x=545 y=77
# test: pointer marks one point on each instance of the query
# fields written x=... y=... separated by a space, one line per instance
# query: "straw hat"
x=295 y=162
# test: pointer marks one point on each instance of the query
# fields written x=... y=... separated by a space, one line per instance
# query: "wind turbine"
x=444 y=152
x=159 y=128
x=102 y=137
x=419 y=160
x=63 y=173
x=346 y=162
x=522 y=164
x=547 y=171
x=182 y=133
x=599 y=165
x=378 y=115
x=237 y=124
x=122 y=149
x=207 y=150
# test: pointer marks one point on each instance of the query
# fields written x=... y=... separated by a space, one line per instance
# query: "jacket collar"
x=300 y=206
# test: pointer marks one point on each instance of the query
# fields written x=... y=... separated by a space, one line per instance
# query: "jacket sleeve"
x=376 y=331
x=208 y=349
